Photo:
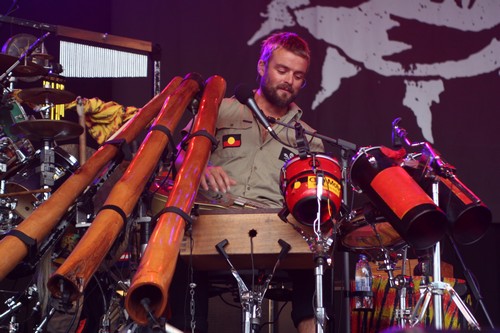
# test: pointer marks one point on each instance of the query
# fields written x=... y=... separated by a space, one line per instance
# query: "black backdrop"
x=212 y=37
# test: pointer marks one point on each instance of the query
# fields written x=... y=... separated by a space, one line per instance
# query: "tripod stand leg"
x=425 y=298
x=462 y=307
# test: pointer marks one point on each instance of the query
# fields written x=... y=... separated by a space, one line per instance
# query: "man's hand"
x=216 y=178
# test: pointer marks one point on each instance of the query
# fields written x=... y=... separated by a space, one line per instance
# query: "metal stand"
x=320 y=242
x=16 y=302
x=402 y=284
x=472 y=284
x=47 y=166
x=435 y=167
x=251 y=300
x=436 y=288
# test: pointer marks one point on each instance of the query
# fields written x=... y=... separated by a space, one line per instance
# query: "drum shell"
x=9 y=160
x=298 y=185
x=28 y=178
x=358 y=232
x=399 y=198
x=469 y=217
x=11 y=114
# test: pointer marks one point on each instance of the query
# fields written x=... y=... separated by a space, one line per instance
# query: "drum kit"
x=413 y=201
x=27 y=174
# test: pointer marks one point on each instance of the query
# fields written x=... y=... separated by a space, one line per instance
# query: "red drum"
x=411 y=212
x=469 y=216
x=298 y=180
x=360 y=232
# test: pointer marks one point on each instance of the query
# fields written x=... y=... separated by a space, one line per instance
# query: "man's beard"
x=272 y=95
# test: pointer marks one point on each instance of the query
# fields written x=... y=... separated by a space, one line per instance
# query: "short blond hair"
x=289 y=41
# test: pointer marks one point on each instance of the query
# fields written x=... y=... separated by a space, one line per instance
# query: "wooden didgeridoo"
x=41 y=222
x=71 y=278
x=154 y=274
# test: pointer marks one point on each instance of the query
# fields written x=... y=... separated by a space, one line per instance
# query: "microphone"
x=244 y=95
x=397 y=140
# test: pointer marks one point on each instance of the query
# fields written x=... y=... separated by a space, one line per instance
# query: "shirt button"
x=248 y=188
x=260 y=148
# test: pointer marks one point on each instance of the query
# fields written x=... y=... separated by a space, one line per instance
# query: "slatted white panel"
x=85 y=61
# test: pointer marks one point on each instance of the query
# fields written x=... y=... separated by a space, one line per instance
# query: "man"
x=248 y=160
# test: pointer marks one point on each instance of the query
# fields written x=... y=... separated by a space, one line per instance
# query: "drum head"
x=25 y=203
x=357 y=233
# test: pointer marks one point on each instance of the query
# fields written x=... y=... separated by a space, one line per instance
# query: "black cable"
x=104 y=301
x=229 y=304
x=77 y=306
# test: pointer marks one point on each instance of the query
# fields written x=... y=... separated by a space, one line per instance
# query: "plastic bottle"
x=363 y=284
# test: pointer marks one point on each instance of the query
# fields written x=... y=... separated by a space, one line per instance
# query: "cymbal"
x=21 y=70
x=6 y=61
x=46 y=96
x=44 y=56
x=29 y=69
x=42 y=129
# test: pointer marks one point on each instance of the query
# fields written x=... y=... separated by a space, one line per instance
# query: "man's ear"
x=261 y=67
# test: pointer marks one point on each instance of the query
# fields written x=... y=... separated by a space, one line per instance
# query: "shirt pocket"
x=234 y=137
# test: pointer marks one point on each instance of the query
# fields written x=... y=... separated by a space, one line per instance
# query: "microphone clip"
x=302 y=143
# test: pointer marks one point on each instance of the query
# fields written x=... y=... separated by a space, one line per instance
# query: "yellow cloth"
x=102 y=119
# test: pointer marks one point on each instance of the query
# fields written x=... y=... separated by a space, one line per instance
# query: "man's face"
x=283 y=77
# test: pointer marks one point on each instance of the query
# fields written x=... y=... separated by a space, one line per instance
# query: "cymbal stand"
x=26 y=53
x=14 y=303
x=40 y=328
x=47 y=166
x=13 y=306
x=403 y=284
x=251 y=300
x=400 y=282
x=7 y=206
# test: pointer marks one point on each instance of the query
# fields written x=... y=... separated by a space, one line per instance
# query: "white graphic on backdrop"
x=358 y=39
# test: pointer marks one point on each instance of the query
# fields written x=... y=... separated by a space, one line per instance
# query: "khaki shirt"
x=255 y=164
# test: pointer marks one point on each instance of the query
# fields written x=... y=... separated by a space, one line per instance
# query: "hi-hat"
x=46 y=96
x=43 y=56
x=29 y=69
x=47 y=129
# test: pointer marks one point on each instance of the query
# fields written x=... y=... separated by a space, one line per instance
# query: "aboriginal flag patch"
x=231 y=141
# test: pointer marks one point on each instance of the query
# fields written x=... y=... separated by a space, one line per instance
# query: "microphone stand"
x=321 y=245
